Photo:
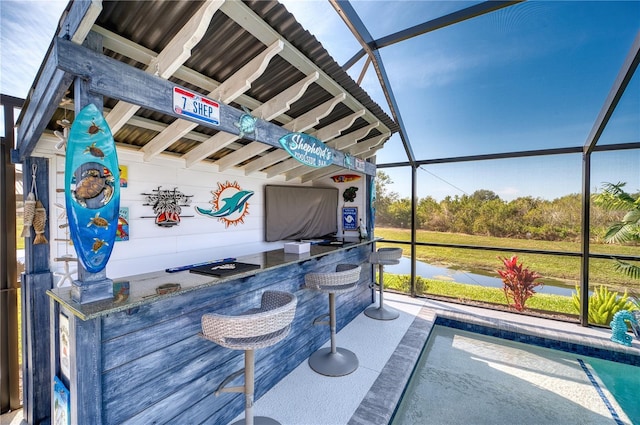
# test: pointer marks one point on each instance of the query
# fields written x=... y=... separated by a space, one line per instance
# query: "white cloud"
x=26 y=30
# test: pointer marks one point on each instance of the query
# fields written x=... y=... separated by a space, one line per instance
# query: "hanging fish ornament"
x=29 y=213
x=39 y=221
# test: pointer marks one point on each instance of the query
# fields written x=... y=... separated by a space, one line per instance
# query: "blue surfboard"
x=92 y=188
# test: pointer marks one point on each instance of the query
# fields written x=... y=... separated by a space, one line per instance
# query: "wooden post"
x=36 y=281
x=9 y=388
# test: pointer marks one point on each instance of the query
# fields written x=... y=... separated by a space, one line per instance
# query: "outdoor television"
x=300 y=212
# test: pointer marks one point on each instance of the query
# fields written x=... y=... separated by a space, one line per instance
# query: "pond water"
x=473 y=277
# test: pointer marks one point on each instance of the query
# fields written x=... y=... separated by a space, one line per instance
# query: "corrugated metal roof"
x=136 y=31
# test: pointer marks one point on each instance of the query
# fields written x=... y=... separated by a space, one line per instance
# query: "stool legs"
x=333 y=361
x=380 y=312
x=248 y=389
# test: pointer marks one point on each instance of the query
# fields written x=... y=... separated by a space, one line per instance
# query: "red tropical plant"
x=519 y=282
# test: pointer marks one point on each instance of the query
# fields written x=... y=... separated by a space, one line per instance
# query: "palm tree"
x=613 y=197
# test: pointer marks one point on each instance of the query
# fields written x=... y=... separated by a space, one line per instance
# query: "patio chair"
x=383 y=257
x=333 y=361
x=253 y=329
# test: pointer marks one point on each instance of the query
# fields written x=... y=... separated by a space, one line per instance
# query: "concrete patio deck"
x=387 y=351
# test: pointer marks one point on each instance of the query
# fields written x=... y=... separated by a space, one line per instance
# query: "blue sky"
x=531 y=76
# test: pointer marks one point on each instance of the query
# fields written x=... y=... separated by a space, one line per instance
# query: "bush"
x=519 y=282
x=603 y=304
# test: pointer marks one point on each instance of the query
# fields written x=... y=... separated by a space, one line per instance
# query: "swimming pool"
x=466 y=377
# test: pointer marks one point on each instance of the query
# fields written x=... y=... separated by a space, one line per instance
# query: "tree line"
x=484 y=213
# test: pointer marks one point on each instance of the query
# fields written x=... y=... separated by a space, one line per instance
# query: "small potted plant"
x=519 y=282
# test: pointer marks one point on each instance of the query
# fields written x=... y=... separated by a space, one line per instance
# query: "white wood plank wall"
x=195 y=239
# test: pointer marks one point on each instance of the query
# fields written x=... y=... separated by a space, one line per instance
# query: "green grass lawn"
x=463 y=292
x=567 y=269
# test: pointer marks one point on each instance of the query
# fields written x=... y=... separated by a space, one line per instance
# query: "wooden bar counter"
x=140 y=359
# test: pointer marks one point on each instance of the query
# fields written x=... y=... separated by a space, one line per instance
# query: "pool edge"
x=380 y=402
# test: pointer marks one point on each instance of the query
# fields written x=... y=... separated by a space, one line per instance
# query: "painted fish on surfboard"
x=92 y=188
x=344 y=178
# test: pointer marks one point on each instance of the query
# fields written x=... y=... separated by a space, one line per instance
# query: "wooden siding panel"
x=157 y=370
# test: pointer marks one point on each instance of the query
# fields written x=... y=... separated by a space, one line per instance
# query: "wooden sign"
x=307 y=149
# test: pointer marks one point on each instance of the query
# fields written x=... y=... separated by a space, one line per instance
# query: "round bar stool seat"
x=383 y=257
x=255 y=328
x=333 y=361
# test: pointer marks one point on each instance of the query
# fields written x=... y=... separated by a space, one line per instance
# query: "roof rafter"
x=269 y=110
x=319 y=173
x=177 y=52
x=51 y=82
x=300 y=124
x=228 y=91
x=244 y=16
x=143 y=55
x=353 y=137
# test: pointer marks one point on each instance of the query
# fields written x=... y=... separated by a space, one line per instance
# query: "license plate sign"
x=195 y=106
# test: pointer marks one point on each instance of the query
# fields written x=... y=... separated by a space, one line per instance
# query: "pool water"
x=468 y=378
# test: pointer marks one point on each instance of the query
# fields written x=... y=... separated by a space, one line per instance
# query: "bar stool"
x=383 y=257
x=255 y=328
x=333 y=361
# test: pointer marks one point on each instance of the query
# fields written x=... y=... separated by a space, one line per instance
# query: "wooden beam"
x=137 y=121
x=228 y=91
x=269 y=110
x=141 y=54
x=300 y=124
x=112 y=78
x=362 y=147
x=334 y=129
x=85 y=20
x=253 y=24
x=320 y=173
x=51 y=83
x=352 y=138
x=118 y=80
x=177 y=52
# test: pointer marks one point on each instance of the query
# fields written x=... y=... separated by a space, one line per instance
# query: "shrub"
x=519 y=282
x=603 y=304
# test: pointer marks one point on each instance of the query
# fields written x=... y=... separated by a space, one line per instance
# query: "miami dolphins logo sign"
x=229 y=204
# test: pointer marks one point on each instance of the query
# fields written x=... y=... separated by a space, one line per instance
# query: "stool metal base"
x=258 y=420
x=381 y=313
x=340 y=363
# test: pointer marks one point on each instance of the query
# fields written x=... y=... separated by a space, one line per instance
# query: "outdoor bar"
x=157 y=157
x=141 y=360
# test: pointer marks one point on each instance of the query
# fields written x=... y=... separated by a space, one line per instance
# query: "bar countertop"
x=142 y=287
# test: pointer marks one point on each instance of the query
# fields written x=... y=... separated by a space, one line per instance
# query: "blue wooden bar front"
x=141 y=361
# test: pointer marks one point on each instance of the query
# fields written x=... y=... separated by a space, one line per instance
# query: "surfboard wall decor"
x=92 y=188
x=345 y=178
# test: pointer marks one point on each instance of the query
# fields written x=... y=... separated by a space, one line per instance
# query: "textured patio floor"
x=387 y=352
